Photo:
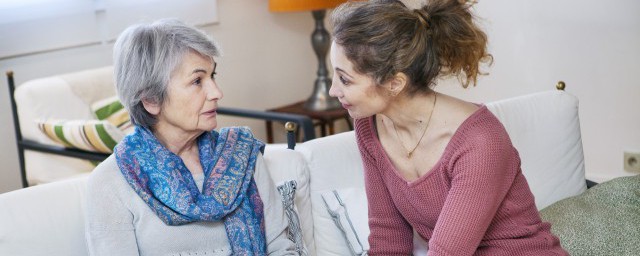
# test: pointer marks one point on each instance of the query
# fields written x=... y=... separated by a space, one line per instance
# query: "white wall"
x=594 y=46
x=268 y=61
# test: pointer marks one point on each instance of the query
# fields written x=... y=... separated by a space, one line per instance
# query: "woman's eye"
x=213 y=75
x=343 y=81
x=198 y=81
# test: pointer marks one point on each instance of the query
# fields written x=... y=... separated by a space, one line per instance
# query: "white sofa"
x=48 y=219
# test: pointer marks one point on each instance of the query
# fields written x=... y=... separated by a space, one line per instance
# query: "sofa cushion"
x=545 y=129
x=288 y=165
x=88 y=135
x=112 y=111
x=40 y=171
x=348 y=212
x=334 y=163
x=47 y=98
x=605 y=220
x=91 y=85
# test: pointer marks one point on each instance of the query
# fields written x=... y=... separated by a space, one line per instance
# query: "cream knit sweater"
x=119 y=223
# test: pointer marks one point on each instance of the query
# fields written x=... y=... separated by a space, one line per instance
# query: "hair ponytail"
x=459 y=43
x=384 y=37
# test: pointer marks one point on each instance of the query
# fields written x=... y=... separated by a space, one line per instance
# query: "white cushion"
x=43 y=220
x=47 y=98
x=345 y=211
x=285 y=165
x=420 y=246
x=545 y=129
x=91 y=85
x=44 y=168
x=334 y=163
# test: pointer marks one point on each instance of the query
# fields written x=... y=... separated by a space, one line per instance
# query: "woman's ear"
x=397 y=83
x=151 y=107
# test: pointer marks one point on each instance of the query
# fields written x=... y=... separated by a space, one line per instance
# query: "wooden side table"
x=324 y=119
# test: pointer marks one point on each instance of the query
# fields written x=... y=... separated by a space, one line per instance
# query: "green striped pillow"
x=112 y=111
x=88 y=135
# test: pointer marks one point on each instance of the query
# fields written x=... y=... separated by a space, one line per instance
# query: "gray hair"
x=144 y=57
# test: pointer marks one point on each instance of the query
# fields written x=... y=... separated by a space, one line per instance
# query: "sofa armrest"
x=44 y=220
x=287 y=165
x=334 y=163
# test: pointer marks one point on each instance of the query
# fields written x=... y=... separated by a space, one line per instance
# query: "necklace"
x=410 y=152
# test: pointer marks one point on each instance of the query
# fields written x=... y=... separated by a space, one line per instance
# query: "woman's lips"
x=212 y=112
x=346 y=106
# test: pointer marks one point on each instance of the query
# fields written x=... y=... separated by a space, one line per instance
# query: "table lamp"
x=320 y=40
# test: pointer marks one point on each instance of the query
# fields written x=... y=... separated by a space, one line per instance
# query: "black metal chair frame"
x=303 y=122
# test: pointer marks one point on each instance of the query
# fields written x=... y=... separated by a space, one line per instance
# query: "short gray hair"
x=144 y=57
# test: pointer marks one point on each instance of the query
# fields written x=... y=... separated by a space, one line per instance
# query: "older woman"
x=175 y=186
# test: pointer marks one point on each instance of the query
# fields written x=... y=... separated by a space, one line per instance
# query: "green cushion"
x=112 y=111
x=605 y=220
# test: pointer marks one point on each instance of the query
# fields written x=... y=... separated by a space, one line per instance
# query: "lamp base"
x=320 y=99
x=321 y=41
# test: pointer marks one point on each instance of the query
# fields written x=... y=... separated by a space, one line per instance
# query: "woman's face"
x=192 y=96
x=358 y=93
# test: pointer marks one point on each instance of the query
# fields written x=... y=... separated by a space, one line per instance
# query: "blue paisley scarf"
x=229 y=192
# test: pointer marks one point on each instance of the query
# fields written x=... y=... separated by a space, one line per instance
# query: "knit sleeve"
x=482 y=170
x=390 y=233
x=108 y=220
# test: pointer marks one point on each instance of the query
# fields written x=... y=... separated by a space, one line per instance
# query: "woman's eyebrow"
x=343 y=72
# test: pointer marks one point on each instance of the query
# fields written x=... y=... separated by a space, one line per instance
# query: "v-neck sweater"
x=473 y=201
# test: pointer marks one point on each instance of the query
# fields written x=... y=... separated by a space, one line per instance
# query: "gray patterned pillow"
x=288 y=194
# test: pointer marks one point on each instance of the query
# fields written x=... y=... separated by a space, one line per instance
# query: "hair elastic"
x=423 y=17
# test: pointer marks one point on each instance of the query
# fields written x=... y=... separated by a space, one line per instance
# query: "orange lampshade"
x=302 y=5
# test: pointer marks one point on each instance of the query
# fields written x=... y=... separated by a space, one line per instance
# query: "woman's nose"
x=213 y=91
x=333 y=90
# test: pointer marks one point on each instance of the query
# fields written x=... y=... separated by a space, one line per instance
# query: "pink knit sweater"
x=474 y=201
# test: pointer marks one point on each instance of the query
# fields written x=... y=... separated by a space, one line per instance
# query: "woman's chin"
x=209 y=126
x=355 y=115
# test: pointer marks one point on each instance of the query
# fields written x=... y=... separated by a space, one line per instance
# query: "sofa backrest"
x=545 y=128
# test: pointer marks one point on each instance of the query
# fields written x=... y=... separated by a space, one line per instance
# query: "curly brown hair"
x=384 y=37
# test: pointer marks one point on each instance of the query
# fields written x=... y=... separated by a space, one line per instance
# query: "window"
x=31 y=26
